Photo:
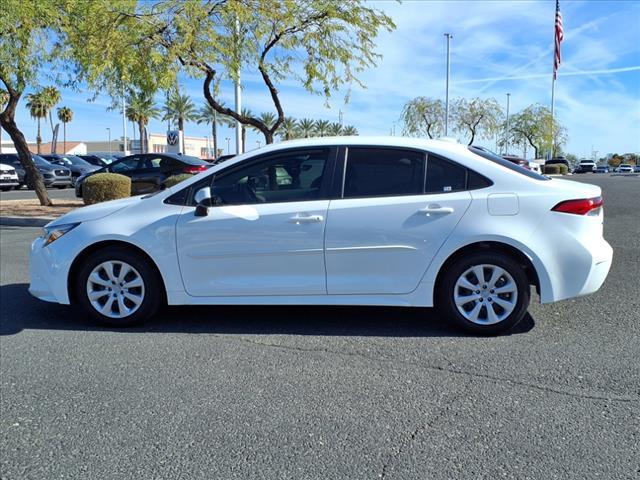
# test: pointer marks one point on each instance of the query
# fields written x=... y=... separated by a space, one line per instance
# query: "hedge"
x=173 y=180
x=102 y=187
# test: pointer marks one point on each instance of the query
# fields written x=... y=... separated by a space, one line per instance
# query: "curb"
x=25 y=221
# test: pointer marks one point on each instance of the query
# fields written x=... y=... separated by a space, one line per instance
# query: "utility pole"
x=228 y=140
x=109 y=130
x=446 y=102
x=506 y=141
x=238 y=95
x=124 y=122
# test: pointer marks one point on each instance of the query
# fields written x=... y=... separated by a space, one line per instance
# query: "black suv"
x=148 y=171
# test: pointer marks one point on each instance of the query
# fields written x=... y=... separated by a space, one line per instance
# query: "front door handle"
x=436 y=209
x=300 y=219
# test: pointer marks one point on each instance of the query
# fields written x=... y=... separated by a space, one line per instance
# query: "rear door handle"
x=436 y=210
x=299 y=219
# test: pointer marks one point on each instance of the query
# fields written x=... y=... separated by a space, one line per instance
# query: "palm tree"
x=288 y=129
x=210 y=115
x=180 y=108
x=4 y=98
x=231 y=123
x=65 y=115
x=350 y=130
x=268 y=118
x=51 y=97
x=307 y=127
x=335 y=129
x=37 y=109
x=322 y=127
x=142 y=108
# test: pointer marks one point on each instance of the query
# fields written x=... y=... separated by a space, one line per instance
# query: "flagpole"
x=553 y=105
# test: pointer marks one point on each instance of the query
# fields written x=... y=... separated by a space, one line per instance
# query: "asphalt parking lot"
x=309 y=392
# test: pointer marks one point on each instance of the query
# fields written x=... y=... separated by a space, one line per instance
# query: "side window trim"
x=326 y=188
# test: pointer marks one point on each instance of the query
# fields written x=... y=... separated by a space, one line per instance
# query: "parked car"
x=96 y=160
x=559 y=161
x=77 y=165
x=52 y=175
x=636 y=169
x=624 y=168
x=602 y=169
x=364 y=221
x=148 y=171
x=8 y=177
x=523 y=162
x=585 y=166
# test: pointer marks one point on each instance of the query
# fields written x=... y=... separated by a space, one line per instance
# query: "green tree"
x=321 y=44
x=210 y=116
x=180 y=109
x=477 y=117
x=51 y=97
x=38 y=109
x=350 y=131
x=307 y=127
x=423 y=116
x=141 y=109
x=531 y=125
x=65 y=115
x=322 y=128
x=288 y=129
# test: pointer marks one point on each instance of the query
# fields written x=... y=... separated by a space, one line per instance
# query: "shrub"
x=105 y=186
x=552 y=169
x=173 y=180
x=563 y=169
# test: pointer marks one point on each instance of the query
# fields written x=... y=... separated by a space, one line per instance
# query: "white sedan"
x=359 y=221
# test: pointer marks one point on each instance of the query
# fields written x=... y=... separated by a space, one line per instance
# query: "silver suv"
x=53 y=175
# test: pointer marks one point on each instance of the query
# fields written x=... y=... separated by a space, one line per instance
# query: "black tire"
x=6 y=189
x=153 y=286
x=446 y=290
x=61 y=187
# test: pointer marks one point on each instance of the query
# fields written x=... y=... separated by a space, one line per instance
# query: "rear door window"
x=381 y=172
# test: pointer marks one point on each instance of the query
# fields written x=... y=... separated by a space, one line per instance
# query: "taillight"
x=194 y=169
x=580 y=206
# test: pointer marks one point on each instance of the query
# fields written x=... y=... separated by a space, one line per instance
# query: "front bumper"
x=47 y=275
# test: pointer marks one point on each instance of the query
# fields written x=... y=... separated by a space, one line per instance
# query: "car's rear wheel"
x=486 y=293
x=119 y=288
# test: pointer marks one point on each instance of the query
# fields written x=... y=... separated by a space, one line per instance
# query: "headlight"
x=51 y=234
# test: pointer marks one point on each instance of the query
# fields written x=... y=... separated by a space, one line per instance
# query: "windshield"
x=494 y=157
x=40 y=161
x=71 y=160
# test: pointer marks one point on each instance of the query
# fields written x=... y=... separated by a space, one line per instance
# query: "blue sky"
x=497 y=47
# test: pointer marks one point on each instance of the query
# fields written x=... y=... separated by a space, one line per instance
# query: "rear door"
x=384 y=231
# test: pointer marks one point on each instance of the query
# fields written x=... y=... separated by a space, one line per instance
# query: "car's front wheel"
x=486 y=293
x=118 y=287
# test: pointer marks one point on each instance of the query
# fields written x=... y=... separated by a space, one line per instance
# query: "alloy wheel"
x=485 y=294
x=115 y=289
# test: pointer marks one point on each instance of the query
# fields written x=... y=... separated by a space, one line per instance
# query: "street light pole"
x=109 y=130
x=446 y=102
x=506 y=148
x=124 y=122
x=228 y=139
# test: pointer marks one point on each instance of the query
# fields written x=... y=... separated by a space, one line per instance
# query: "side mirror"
x=203 y=201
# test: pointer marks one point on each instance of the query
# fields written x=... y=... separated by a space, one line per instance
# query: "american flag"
x=559 y=37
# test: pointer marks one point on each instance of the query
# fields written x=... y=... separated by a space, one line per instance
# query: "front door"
x=266 y=236
x=385 y=230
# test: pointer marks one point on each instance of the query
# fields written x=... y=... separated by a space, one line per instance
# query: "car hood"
x=4 y=167
x=95 y=212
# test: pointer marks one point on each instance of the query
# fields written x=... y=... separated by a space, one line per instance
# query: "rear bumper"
x=599 y=269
